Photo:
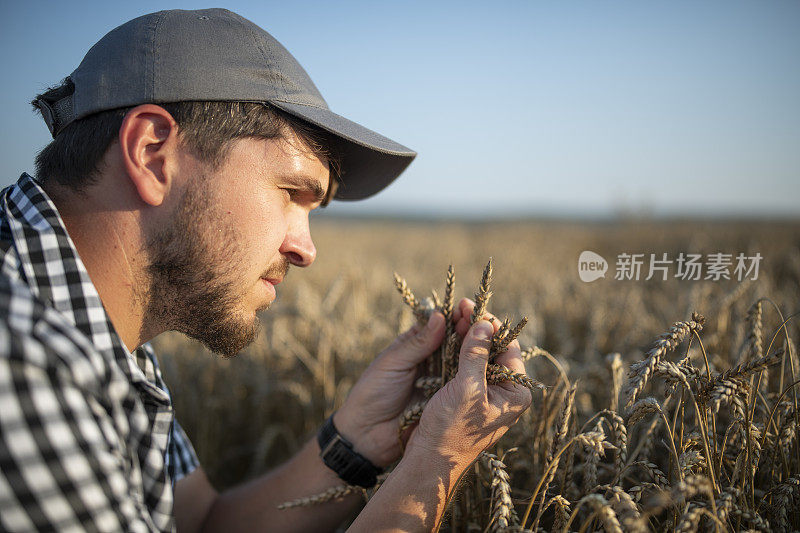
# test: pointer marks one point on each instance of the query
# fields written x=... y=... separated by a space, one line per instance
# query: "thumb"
x=416 y=344
x=475 y=349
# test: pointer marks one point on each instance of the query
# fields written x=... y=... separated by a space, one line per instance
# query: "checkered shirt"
x=88 y=440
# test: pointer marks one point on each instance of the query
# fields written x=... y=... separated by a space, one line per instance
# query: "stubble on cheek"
x=194 y=268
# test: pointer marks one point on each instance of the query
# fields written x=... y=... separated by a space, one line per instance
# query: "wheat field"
x=646 y=423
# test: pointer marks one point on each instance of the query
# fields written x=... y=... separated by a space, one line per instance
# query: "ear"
x=148 y=142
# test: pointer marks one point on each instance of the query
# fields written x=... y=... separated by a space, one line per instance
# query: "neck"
x=109 y=242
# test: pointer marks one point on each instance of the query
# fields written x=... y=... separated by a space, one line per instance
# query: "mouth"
x=269 y=285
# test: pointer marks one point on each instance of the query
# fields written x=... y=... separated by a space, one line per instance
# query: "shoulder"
x=32 y=334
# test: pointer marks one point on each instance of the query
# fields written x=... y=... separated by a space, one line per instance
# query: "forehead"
x=296 y=148
x=285 y=158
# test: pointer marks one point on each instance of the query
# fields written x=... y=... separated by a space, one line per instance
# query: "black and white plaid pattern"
x=88 y=439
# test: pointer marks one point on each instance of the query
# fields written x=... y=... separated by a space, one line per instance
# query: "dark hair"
x=74 y=156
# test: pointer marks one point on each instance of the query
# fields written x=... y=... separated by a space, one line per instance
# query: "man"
x=189 y=149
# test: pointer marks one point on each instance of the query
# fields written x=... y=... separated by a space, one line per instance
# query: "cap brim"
x=370 y=161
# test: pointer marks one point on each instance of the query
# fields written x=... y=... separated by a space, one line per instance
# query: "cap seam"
x=157 y=25
x=257 y=44
x=287 y=101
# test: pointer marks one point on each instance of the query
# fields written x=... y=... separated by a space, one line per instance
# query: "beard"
x=193 y=287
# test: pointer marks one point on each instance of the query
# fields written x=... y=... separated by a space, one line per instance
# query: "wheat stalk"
x=625 y=508
x=602 y=510
x=727 y=391
x=641 y=371
x=655 y=473
x=408 y=297
x=614 y=362
x=449 y=293
x=743 y=370
x=688 y=460
x=534 y=352
x=450 y=357
x=755 y=336
x=428 y=384
x=333 y=493
x=500 y=343
x=690 y=518
x=411 y=415
x=553 y=459
x=620 y=435
x=562 y=511
x=643 y=408
x=483 y=294
x=496 y=374
x=503 y=513
x=784 y=497
x=636 y=491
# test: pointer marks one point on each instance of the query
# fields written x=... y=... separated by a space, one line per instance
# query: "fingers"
x=461 y=316
x=464 y=308
x=513 y=396
x=464 y=313
x=475 y=350
x=512 y=358
x=457 y=312
x=413 y=346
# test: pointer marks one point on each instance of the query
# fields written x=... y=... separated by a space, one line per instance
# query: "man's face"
x=236 y=231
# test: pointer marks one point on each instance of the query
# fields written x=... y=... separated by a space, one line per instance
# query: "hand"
x=467 y=416
x=369 y=416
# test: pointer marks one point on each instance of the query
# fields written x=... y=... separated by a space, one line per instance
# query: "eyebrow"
x=308 y=184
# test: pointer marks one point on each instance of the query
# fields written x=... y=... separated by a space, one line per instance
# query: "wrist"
x=356 y=435
x=414 y=496
x=425 y=464
x=420 y=449
x=339 y=455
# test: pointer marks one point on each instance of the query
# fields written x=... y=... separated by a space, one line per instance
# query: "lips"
x=276 y=272
x=270 y=287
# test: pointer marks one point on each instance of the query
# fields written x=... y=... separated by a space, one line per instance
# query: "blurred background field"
x=249 y=413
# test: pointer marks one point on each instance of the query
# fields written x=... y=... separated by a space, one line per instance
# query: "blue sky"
x=522 y=108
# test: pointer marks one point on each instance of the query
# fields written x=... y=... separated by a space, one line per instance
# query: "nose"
x=297 y=245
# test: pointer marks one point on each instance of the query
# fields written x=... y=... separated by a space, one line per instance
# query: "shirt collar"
x=47 y=260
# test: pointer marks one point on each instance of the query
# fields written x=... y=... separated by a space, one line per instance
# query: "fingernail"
x=482 y=330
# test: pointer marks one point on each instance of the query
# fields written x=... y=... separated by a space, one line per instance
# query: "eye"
x=292 y=194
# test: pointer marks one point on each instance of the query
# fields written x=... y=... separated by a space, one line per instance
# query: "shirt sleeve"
x=181 y=457
x=61 y=464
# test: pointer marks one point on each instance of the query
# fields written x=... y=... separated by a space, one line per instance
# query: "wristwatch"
x=338 y=454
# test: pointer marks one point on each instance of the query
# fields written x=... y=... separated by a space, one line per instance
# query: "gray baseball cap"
x=217 y=55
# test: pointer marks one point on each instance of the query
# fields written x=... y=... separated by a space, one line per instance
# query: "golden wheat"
x=737 y=448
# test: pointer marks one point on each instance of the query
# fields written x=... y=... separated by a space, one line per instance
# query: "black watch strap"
x=338 y=454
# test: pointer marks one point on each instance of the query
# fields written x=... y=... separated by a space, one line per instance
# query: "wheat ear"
x=333 y=493
x=483 y=294
x=496 y=374
x=500 y=343
x=408 y=297
x=411 y=415
x=641 y=371
x=503 y=513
